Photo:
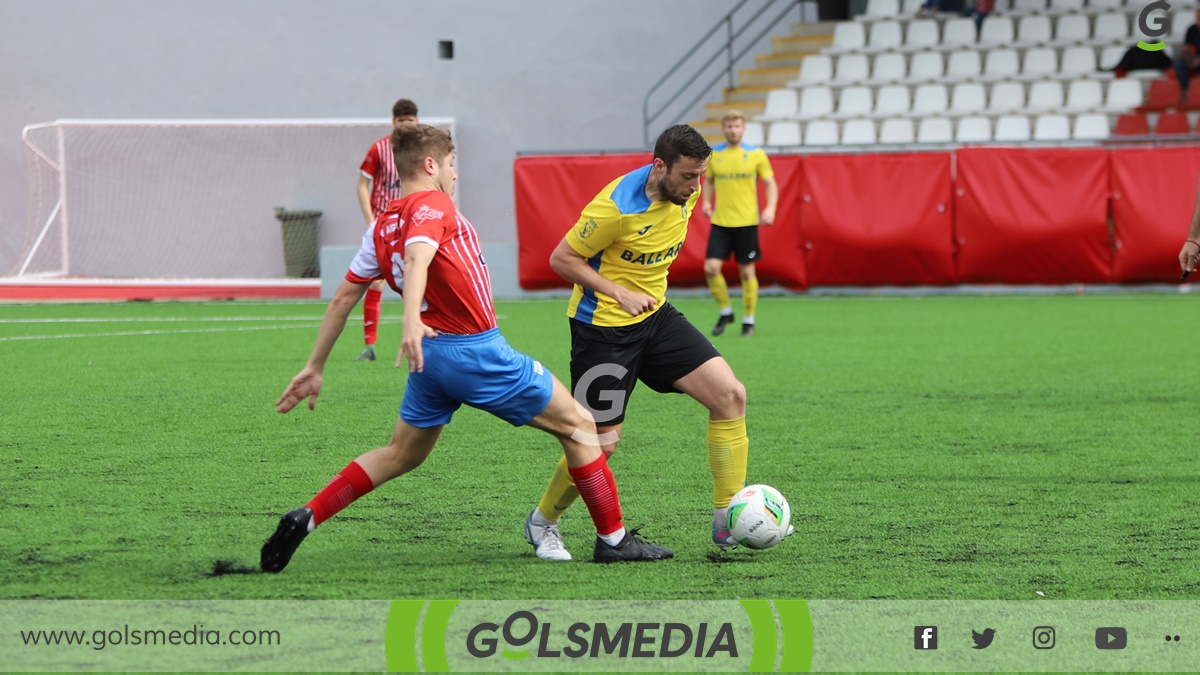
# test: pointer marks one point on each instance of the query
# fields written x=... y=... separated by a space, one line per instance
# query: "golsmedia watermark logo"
x=686 y=635
x=643 y=639
x=1154 y=26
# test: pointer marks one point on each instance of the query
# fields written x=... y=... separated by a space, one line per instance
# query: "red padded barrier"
x=551 y=191
x=1154 y=191
x=877 y=219
x=1033 y=216
x=782 y=260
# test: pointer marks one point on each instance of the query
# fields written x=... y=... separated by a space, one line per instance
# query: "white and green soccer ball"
x=759 y=516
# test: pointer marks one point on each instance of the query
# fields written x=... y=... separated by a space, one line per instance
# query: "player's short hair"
x=412 y=143
x=404 y=108
x=733 y=115
x=680 y=141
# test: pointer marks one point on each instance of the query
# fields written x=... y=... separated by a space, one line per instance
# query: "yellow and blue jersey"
x=735 y=170
x=629 y=240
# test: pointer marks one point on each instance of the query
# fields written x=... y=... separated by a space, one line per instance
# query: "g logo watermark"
x=616 y=398
x=1161 y=25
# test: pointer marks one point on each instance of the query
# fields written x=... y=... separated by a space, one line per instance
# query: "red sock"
x=345 y=487
x=371 y=315
x=599 y=491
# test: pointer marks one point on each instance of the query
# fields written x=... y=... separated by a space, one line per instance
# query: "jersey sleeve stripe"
x=587 y=304
x=470 y=264
x=420 y=240
x=473 y=239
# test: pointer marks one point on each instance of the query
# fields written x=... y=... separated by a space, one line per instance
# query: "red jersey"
x=458 y=293
x=381 y=169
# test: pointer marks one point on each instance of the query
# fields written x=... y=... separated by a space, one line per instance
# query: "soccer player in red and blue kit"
x=378 y=185
x=426 y=250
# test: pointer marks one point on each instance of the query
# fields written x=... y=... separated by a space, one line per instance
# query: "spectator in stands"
x=978 y=9
x=1188 y=61
x=378 y=185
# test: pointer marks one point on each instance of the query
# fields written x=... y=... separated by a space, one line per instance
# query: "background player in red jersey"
x=378 y=185
x=423 y=246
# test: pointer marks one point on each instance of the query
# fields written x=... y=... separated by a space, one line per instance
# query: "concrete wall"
x=527 y=75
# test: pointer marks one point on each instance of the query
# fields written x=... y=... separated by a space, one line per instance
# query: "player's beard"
x=674 y=197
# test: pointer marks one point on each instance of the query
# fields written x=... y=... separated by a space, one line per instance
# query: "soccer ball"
x=759 y=517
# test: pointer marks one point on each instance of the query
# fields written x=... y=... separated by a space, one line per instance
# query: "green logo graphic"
x=1161 y=25
x=758 y=636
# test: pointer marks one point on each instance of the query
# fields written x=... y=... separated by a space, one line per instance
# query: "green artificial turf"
x=931 y=448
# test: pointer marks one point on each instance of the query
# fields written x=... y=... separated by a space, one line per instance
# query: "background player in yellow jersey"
x=732 y=178
x=623 y=330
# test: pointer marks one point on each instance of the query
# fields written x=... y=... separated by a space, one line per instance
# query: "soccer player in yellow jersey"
x=623 y=329
x=732 y=177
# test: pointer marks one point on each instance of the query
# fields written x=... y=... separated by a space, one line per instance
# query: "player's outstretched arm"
x=364 y=198
x=707 y=192
x=417 y=257
x=570 y=265
x=308 y=382
x=771 y=187
x=1189 y=255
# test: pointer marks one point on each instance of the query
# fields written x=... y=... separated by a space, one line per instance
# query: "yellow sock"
x=749 y=298
x=720 y=290
x=560 y=493
x=728 y=446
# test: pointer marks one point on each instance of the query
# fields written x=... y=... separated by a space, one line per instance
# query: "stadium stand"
x=1035 y=71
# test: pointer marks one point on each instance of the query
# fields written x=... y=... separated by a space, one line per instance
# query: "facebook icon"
x=925 y=637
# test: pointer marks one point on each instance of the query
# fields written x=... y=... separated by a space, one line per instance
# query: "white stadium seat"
x=1006 y=97
x=926 y=66
x=784 y=133
x=815 y=102
x=896 y=131
x=1064 y=6
x=848 y=36
x=1099 y=5
x=930 y=99
x=1111 y=28
x=882 y=9
x=892 y=100
x=934 y=130
x=922 y=34
x=1084 y=95
x=1027 y=6
x=821 y=132
x=815 y=69
x=1045 y=96
x=997 y=31
x=973 y=130
x=1001 y=64
x=851 y=68
x=1052 y=128
x=1033 y=30
x=1012 y=128
x=1038 y=63
x=968 y=97
x=781 y=104
x=1078 y=61
x=1110 y=56
x=964 y=65
x=854 y=102
x=753 y=134
x=889 y=68
x=1091 y=127
x=885 y=35
x=1124 y=94
x=858 y=132
x=1072 y=28
x=958 y=32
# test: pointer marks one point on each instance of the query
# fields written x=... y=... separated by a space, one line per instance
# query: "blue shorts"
x=480 y=370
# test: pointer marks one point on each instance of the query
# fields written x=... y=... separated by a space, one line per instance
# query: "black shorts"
x=741 y=241
x=607 y=361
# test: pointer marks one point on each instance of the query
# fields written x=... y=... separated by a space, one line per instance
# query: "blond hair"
x=733 y=115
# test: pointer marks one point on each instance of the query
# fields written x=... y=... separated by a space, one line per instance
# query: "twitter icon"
x=984 y=639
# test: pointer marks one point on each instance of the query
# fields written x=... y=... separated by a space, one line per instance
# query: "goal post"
x=187 y=199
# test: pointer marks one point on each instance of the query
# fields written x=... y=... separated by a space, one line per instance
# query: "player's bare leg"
x=406 y=451
x=715 y=386
x=587 y=468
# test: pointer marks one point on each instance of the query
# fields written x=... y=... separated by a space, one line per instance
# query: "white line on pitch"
x=154 y=332
x=162 y=319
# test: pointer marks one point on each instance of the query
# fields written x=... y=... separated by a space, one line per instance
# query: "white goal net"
x=188 y=199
